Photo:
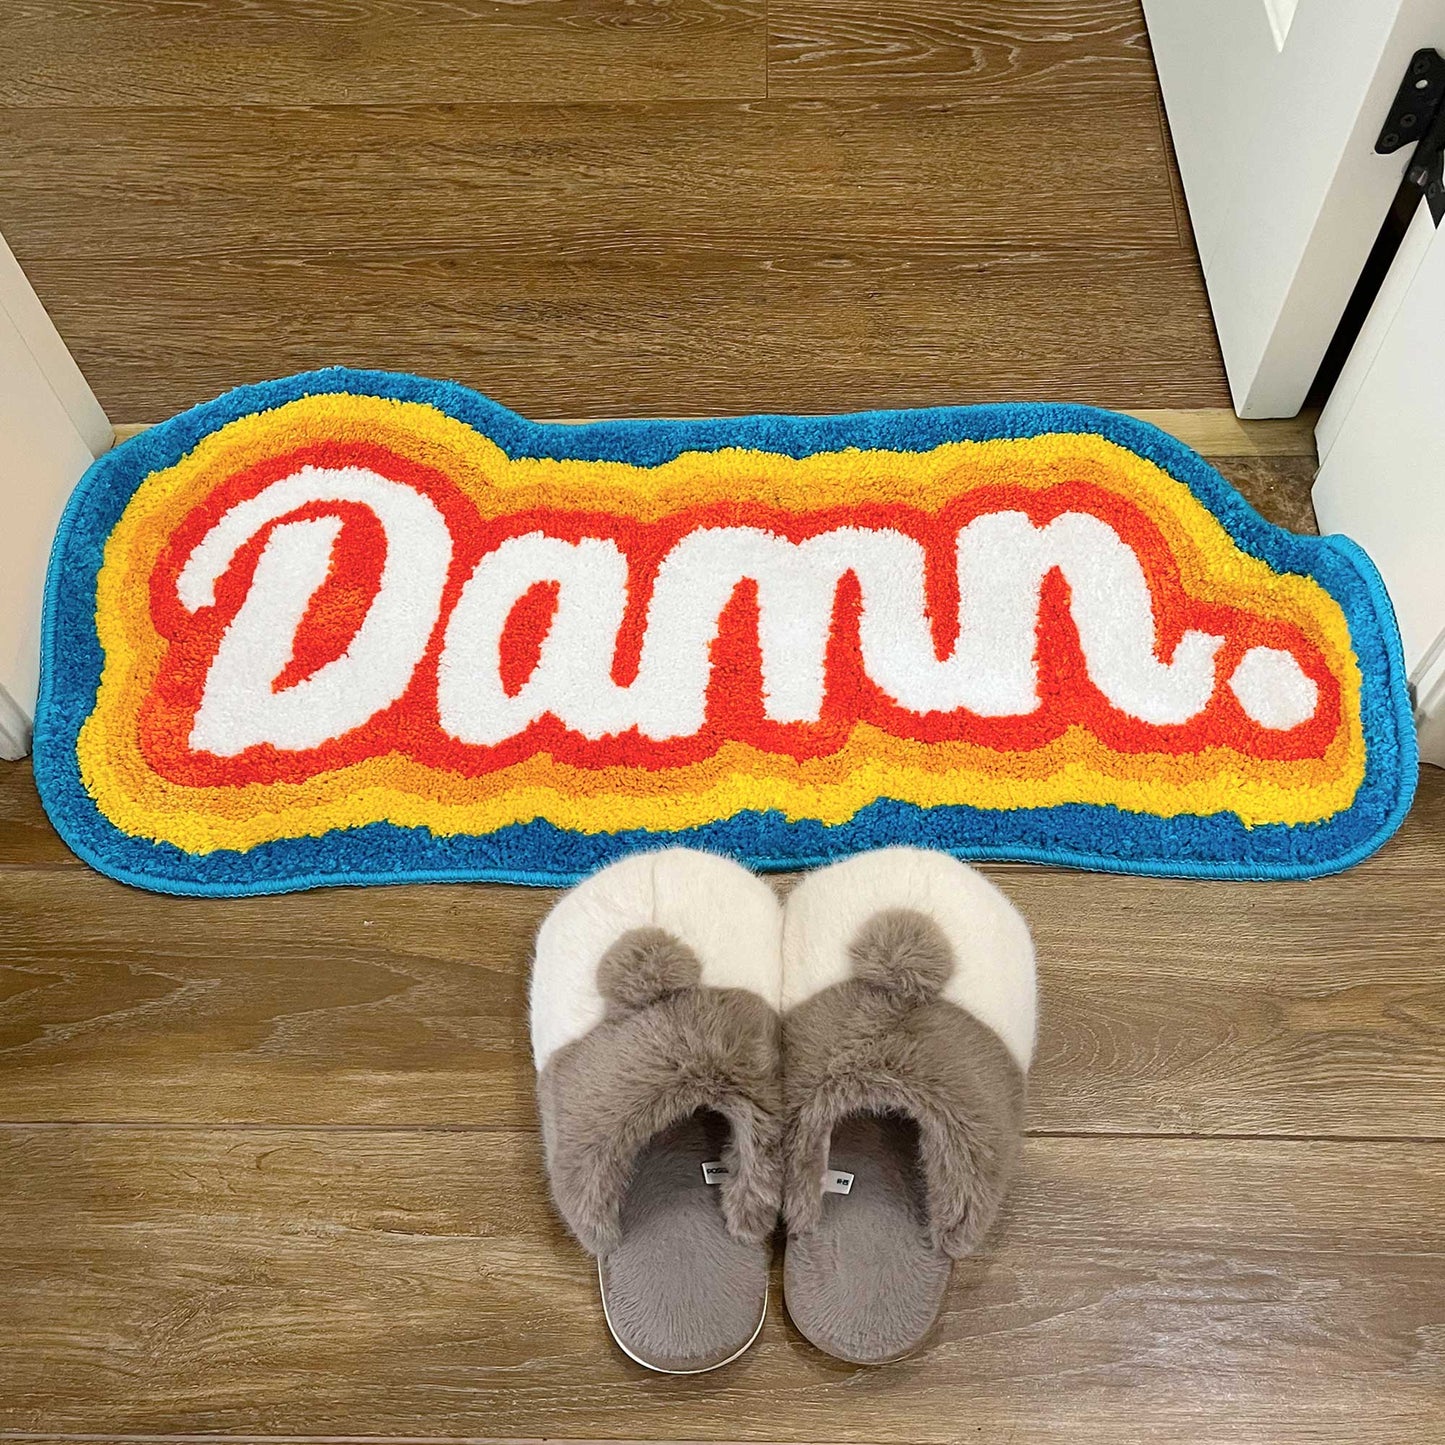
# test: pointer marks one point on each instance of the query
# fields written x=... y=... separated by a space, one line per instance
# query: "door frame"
x=1286 y=193
x=52 y=428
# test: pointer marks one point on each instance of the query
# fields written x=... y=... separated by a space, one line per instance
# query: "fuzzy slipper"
x=908 y=1028
x=655 y=1031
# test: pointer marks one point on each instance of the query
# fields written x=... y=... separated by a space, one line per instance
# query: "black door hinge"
x=1418 y=117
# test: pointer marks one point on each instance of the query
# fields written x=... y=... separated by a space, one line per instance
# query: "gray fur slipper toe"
x=908 y=1028
x=655 y=1031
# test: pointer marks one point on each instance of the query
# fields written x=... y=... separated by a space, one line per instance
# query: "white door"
x=1275 y=107
x=1382 y=460
x=51 y=429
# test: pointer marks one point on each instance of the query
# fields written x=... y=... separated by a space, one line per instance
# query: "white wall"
x=51 y=429
x=1382 y=455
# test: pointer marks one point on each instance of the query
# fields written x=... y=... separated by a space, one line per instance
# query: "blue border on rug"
x=1103 y=838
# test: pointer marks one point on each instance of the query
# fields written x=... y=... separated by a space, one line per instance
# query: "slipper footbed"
x=868 y=1283
x=681 y=1293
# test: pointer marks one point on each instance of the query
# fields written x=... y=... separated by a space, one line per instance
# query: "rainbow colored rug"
x=355 y=627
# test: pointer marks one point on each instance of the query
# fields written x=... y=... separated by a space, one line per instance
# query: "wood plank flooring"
x=205 y=54
x=1007 y=50
x=300 y=1282
x=268 y=1167
x=594 y=207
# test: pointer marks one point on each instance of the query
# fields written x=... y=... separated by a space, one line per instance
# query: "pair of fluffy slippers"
x=709 y=1058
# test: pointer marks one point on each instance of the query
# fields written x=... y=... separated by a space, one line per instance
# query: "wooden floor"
x=269 y=1168
x=603 y=207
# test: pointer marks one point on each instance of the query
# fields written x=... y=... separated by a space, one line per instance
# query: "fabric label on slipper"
x=715 y=1171
x=837 y=1181
x=354 y=627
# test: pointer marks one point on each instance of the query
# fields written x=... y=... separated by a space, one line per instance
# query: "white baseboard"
x=14 y=729
x=1429 y=693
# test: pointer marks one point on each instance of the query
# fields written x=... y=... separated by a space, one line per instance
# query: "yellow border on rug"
x=1074 y=768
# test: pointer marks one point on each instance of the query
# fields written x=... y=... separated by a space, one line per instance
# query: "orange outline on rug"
x=1074 y=768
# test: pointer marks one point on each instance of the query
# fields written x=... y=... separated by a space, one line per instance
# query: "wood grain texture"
x=646 y=182
x=309 y=1282
x=1170 y=1006
x=686 y=335
x=267 y=1166
x=1275 y=460
x=206 y=53
x=1012 y=51
x=26 y=837
x=1225 y=438
x=633 y=259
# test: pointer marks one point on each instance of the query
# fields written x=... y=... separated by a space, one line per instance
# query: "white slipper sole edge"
x=662 y=1369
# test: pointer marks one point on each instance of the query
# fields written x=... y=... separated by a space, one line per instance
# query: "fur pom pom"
x=904 y=954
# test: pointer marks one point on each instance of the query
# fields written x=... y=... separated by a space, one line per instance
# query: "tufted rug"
x=357 y=627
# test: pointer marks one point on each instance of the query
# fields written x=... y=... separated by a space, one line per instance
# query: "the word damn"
x=990 y=671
